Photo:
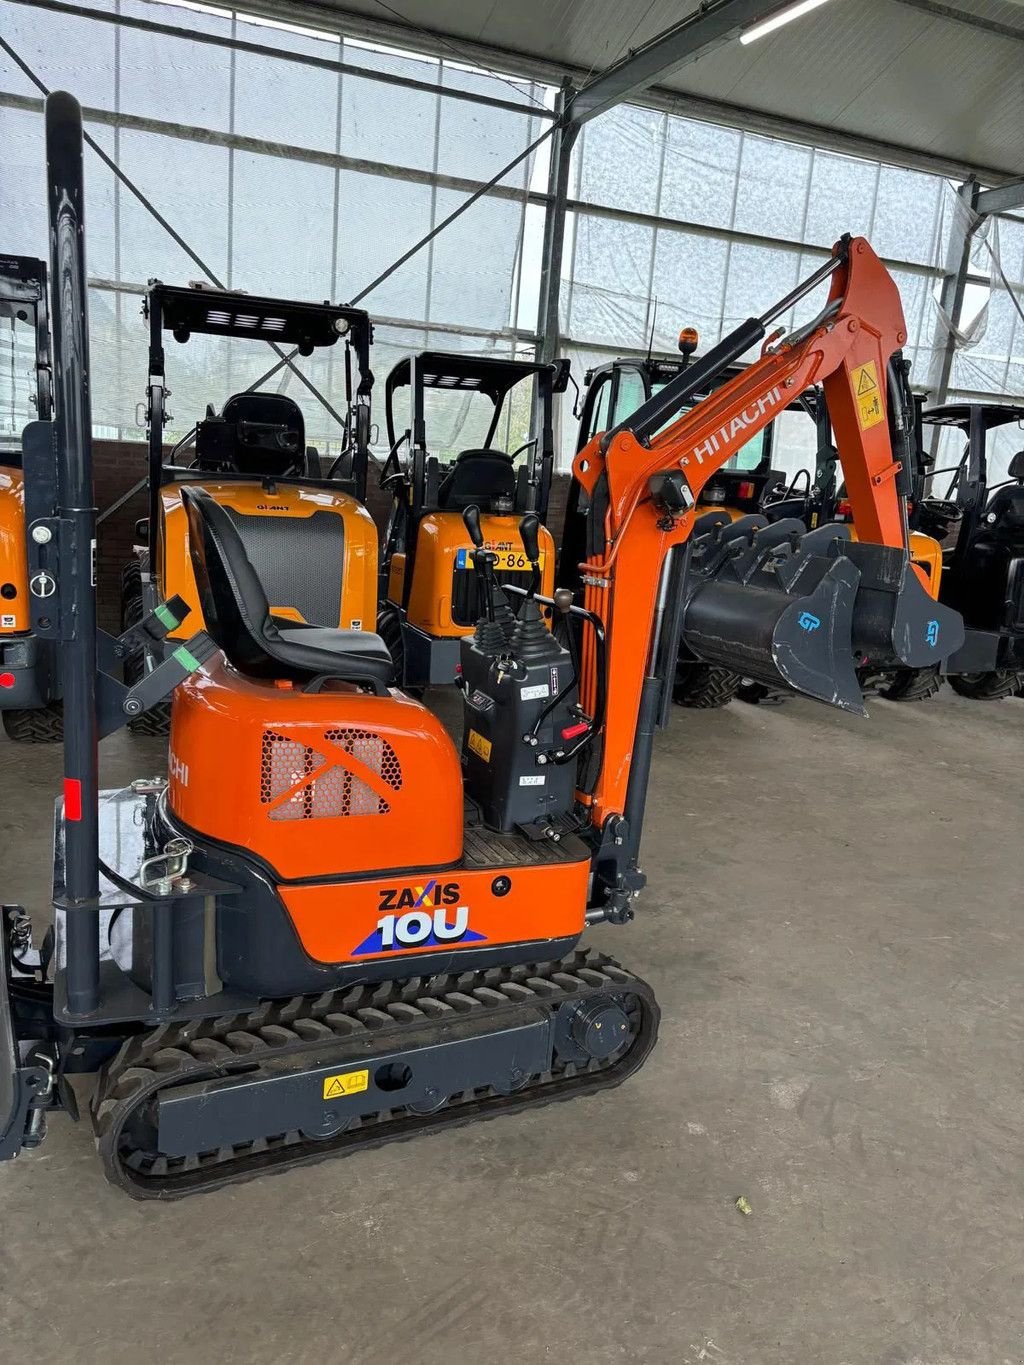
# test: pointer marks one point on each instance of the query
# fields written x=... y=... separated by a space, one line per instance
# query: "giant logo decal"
x=419 y=917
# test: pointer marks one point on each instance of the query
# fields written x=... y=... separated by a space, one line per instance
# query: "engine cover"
x=313 y=784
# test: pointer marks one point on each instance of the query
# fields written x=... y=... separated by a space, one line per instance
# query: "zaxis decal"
x=424 y=925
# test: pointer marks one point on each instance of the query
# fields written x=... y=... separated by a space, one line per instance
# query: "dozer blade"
x=776 y=605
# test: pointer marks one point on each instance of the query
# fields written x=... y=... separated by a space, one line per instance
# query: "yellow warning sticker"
x=480 y=746
x=347 y=1083
x=868 y=396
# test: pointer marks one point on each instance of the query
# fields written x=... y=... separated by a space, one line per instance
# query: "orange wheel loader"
x=449 y=417
x=30 y=687
x=333 y=926
x=305 y=527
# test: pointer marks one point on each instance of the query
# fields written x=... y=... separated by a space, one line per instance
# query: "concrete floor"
x=833 y=929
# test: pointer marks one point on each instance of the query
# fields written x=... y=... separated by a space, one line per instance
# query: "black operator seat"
x=256 y=433
x=239 y=621
x=477 y=476
x=1004 y=516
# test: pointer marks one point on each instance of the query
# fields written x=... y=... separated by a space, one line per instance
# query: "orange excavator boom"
x=644 y=479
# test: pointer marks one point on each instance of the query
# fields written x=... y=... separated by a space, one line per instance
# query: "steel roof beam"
x=713 y=24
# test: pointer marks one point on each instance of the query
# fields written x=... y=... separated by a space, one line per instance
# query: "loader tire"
x=705 y=686
x=389 y=628
x=912 y=684
x=41 y=725
x=157 y=720
x=994 y=686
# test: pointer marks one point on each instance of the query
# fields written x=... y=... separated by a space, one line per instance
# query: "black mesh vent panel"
x=298 y=560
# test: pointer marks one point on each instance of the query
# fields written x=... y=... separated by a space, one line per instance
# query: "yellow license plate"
x=514 y=561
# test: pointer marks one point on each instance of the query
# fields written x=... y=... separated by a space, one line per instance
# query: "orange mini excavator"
x=330 y=928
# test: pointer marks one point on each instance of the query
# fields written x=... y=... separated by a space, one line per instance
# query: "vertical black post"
x=156 y=405
x=78 y=591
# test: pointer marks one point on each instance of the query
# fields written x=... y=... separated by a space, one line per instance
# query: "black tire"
x=389 y=628
x=757 y=694
x=912 y=684
x=43 y=725
x=1002 y=682
x=157 y=720
x=704 y=686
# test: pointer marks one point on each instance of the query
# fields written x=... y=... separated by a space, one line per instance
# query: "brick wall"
x=117 y=465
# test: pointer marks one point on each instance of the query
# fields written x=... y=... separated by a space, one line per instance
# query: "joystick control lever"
x=529 y=531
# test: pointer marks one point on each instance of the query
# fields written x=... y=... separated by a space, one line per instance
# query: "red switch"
x=572 y=731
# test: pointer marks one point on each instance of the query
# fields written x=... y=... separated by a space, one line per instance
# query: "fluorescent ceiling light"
x=784 y=16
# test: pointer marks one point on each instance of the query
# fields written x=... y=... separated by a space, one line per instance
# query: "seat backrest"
x=244 y=439
x=235 y=607
x=477 y=476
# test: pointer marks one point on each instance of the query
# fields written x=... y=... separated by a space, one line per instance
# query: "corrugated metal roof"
x=938 y=77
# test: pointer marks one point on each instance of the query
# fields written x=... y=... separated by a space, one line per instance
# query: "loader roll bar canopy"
x=960 y=414
x=217 y=312
x=494 y=377
x=489 y=375
x=285 y=324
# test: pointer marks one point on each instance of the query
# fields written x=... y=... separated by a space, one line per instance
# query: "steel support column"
x=554 y=228
x=951 y=299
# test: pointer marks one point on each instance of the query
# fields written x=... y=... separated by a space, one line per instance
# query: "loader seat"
x=477 y=476
x=239 y=620
x=256 y=433
x=995 y=544
x=1004 y=516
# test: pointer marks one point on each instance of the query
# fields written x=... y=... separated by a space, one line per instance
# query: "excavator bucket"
x=769 y=603
x=803 y=610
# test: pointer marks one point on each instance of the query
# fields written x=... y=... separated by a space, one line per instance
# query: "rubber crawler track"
x=178 y=1054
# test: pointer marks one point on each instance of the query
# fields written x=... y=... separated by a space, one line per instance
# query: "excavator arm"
x=644 y=479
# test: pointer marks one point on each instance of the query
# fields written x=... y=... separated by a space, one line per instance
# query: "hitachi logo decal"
x=709 y=449
x=177 y=769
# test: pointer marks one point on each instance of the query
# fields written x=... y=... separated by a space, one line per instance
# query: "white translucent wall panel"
x=22 y=183
x=841 y=199
x=607 y=298
x=177 y=80
x=388 y=123
x=689 y=285
x=474 y=261
x=379 y=218
x=619 y=158
x=65 y=51
x=476 y=141
x=772 y=189
x=992 y=361
x=271 y=101
x=281 y=227
x=188 y=183
x=699 y=179
x=907 y=218
x=771 y=204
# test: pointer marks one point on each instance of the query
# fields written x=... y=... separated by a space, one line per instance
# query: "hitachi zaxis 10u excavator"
x=328 y=929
